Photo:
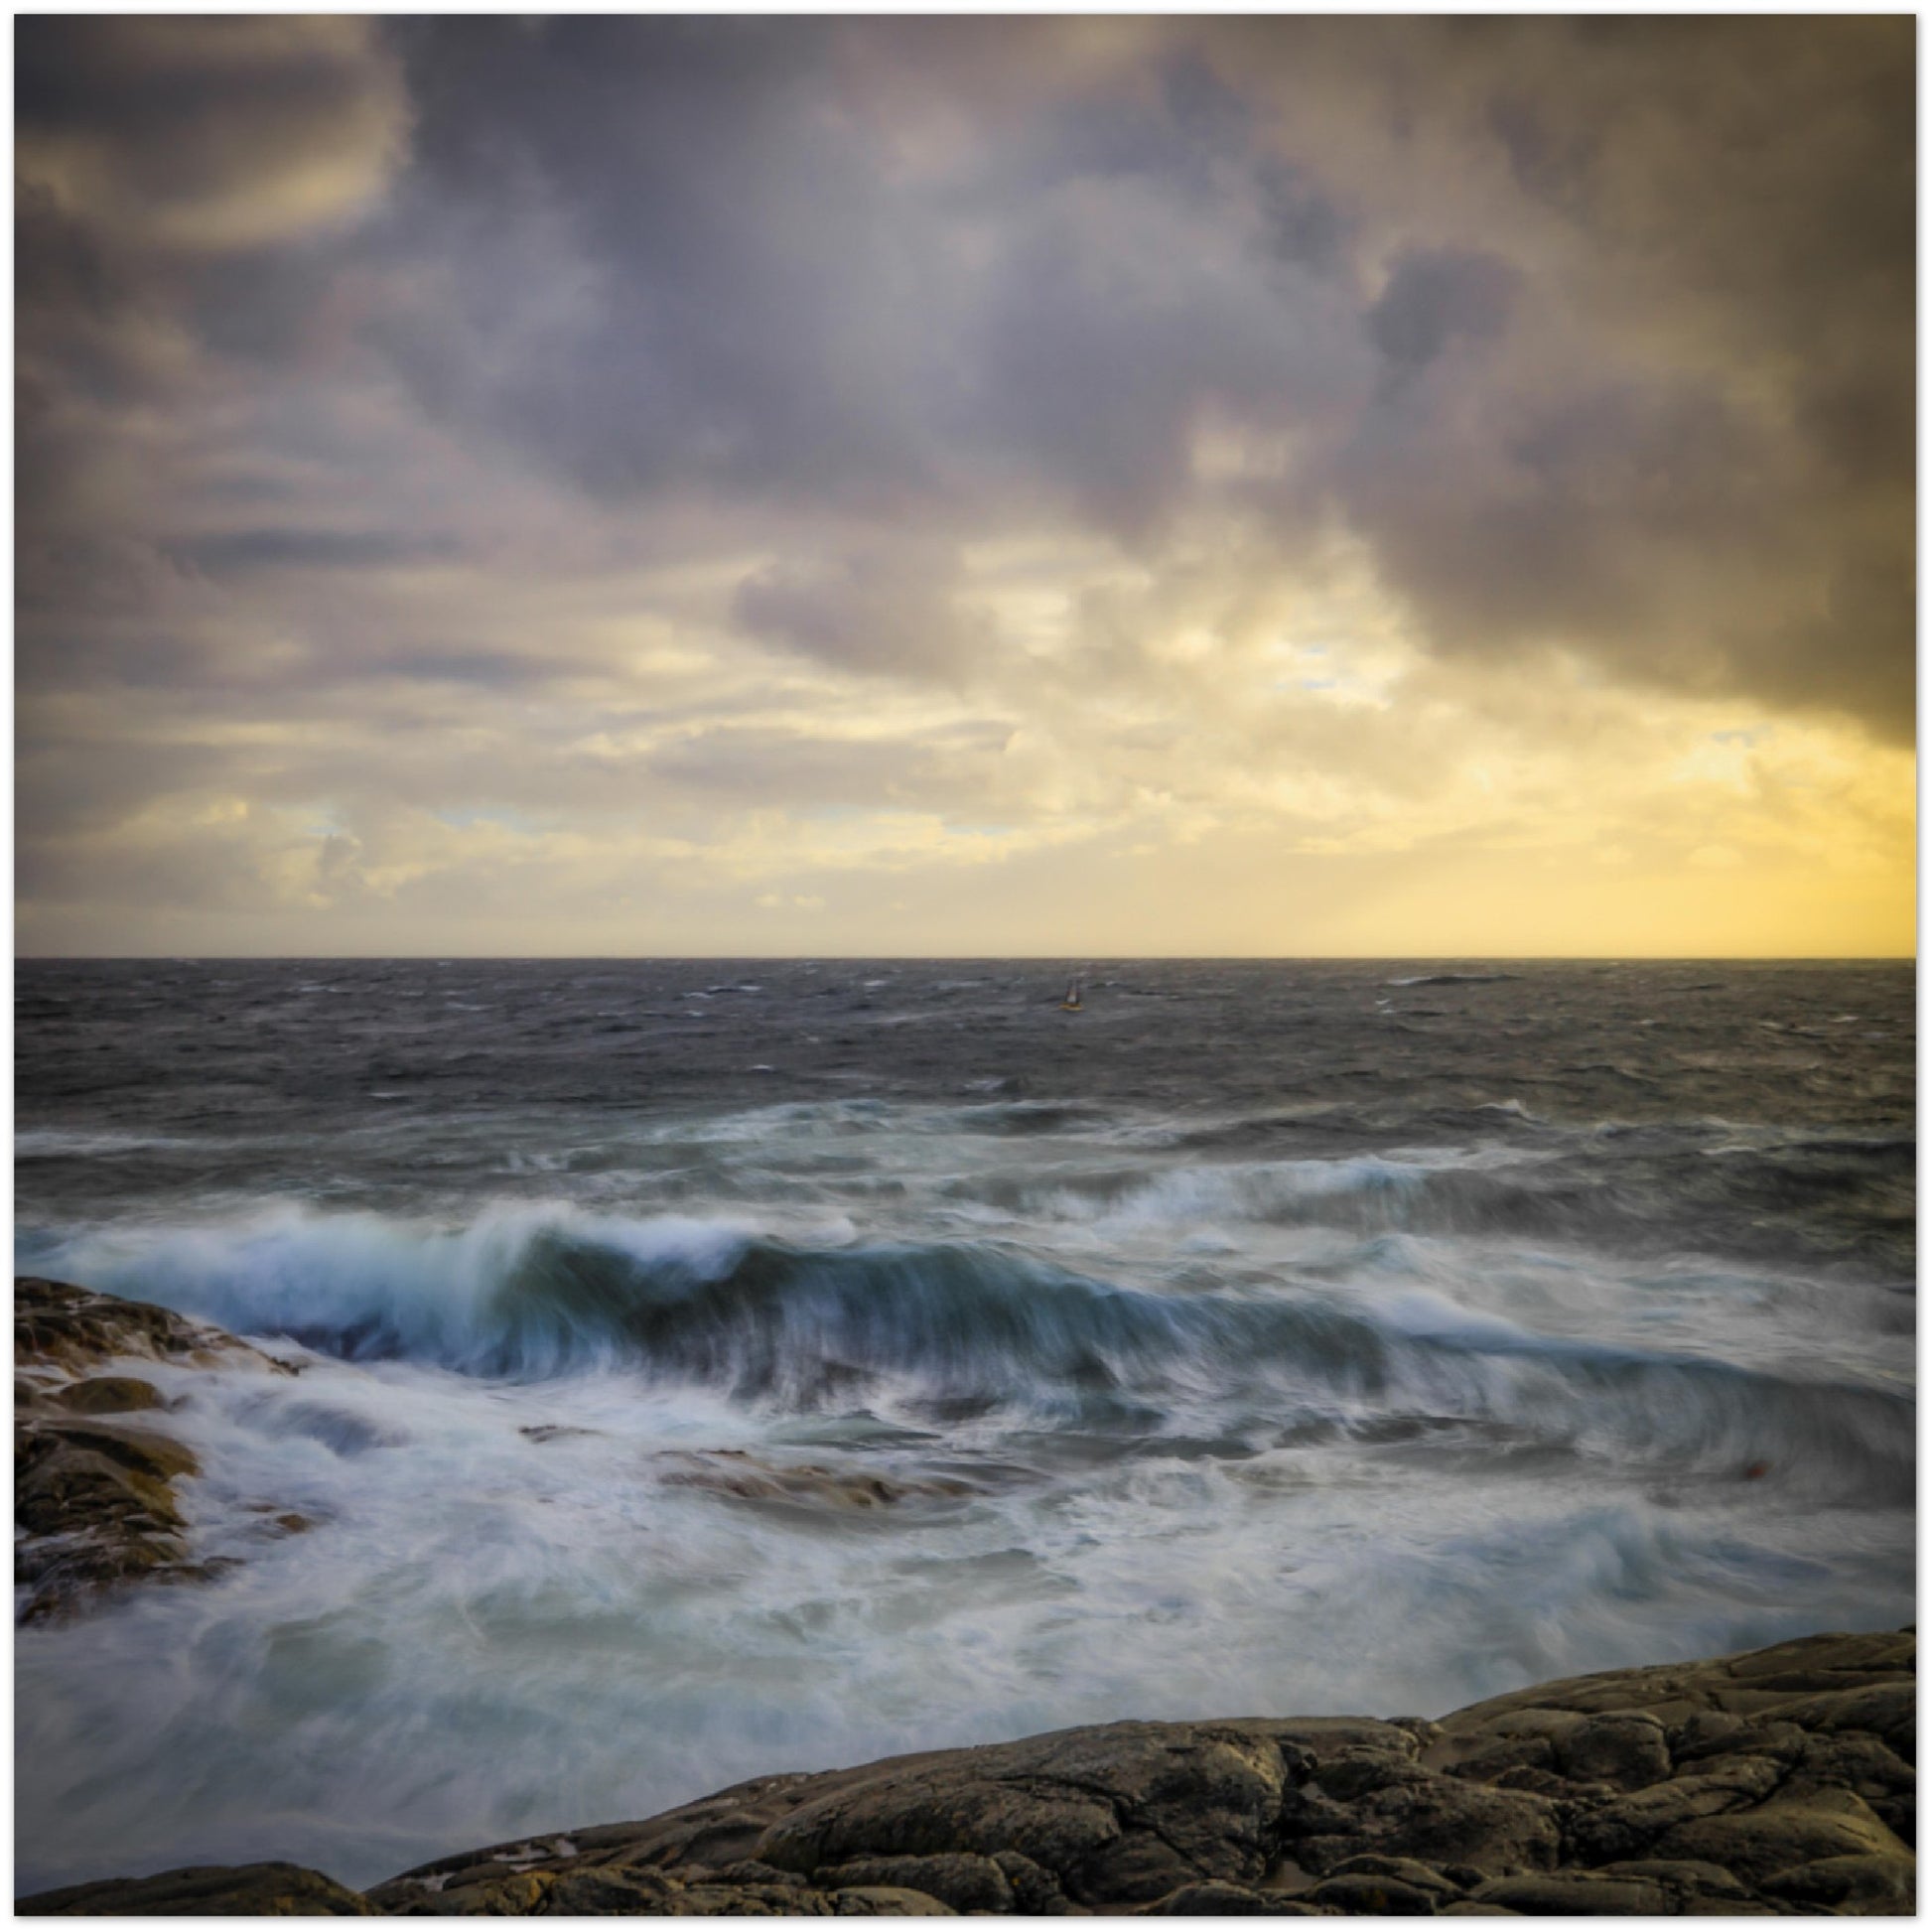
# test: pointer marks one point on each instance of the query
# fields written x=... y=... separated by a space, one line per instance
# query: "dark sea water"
x=1264 y=1337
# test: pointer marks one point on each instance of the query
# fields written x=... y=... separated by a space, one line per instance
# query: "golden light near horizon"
x=1004 y=487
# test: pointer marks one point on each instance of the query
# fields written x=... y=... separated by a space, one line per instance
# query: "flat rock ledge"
x=95 y=1506
x=1777 y=1781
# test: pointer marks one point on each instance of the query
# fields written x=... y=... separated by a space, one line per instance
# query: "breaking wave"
x=526 y=1293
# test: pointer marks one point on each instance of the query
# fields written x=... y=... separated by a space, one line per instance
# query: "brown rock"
x=94 y=1498
x=1368 y=1894
x=1678 y=1874
x=209 y=1890
x=1629 y=1827
x=963 y=1880
x=598 y=1890
x=60 y=1325
x=887 y=1901
x=1214 y=1899
x=1447 y=1821
x=1119 y=1813
x=1773 y=1836
x=1869 y=1886
x=108 y=1395
x=96 y=1507
x=1489 y=1759
x=1625 y=1748
x=1411 y=1871
x=1571 y=1894
x=751 y=1478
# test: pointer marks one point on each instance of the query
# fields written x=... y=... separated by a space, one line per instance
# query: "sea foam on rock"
x=95 y=1506
x=1771 y=1782
x=1774 y=1781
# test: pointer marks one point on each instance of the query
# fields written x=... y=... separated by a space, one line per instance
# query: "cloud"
x=205 y=133
x=1435 y=297
x=889 y=608
x=268 y=548
x=712 y=423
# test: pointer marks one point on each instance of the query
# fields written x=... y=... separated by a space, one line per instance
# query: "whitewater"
x=717 y=1368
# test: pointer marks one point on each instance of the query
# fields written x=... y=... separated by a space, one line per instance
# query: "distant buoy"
x=1755 y=1471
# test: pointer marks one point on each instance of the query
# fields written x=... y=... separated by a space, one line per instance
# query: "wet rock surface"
x=96 y=1502
x=1775 y=1782
x=746 y=1477
x=65 y=1331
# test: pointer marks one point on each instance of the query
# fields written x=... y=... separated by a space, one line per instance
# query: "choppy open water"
x=1264 y=1339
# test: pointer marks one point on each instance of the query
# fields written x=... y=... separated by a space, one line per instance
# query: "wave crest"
x=963 y=1328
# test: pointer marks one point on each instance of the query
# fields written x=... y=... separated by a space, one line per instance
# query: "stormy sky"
x=964 y=485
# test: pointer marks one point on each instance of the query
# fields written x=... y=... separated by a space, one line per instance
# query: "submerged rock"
x=1766 y=1772
x=1776 y=1781
x=753 y=1478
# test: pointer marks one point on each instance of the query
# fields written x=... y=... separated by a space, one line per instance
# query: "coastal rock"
x=1829 y=1824
x=1121 y=1813
x=1876 y=1886
x=1364 y=1893
x=106 y=1395
x=1574 y=1894
x=966 y=1882
x=1624 y=1747
x=1214 y=1899
x=810 y=1486
x=95 y=1505
x=205 y=1891
x=1764 y=1776
x=63 y=1329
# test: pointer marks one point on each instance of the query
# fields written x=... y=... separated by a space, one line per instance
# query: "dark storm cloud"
x=1435 y=295
x=1682 y=209
x=360 y=355
x=199 y=132
x=742 y=299
x=271 y=548
x=729 y=247
x=1303 y=226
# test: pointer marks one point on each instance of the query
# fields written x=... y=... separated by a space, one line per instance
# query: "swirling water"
x=725 y=1368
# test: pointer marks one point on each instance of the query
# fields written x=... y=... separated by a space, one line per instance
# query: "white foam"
x=488 y=1635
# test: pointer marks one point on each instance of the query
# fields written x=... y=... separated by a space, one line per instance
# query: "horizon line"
x=1044 y=958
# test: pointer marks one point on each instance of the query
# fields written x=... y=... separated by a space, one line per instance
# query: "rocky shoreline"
x=95 y=1507
x=1775 y=1781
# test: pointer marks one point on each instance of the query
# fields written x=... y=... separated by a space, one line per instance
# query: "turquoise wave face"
x=934 y=1330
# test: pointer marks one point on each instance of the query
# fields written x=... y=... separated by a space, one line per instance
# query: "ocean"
x=714 y=1368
